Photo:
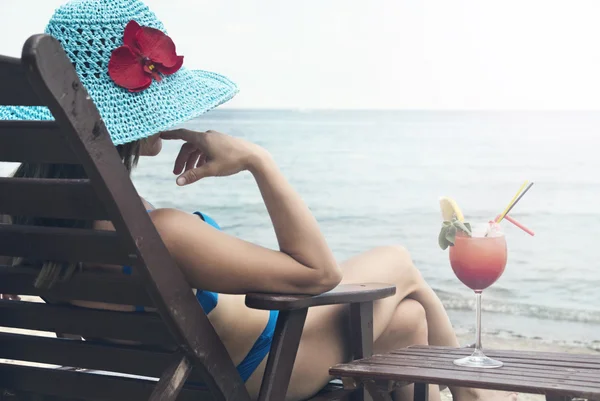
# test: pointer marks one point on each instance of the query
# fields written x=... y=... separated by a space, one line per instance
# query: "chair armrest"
x=342 y=294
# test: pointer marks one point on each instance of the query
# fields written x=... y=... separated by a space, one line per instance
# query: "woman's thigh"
x=325 y=339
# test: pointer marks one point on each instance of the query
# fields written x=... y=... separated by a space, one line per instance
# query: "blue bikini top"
x=208 y=300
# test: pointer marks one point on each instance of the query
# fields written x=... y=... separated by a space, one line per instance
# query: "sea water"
x=373 y=178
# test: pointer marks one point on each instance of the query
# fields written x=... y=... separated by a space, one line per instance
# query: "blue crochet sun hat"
x=89 y=31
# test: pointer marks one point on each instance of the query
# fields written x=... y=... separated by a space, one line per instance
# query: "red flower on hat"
x=146 y=53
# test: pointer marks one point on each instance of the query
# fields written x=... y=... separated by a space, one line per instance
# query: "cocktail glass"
x=478 y=262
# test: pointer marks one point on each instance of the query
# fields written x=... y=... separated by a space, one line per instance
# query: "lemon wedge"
x=450 y=209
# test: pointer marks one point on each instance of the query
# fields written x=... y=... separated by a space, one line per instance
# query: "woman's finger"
x=181 y=133
x=195 y=174
x=184 y=153
x=192 y=160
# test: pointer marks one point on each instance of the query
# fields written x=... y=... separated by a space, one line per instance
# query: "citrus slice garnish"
x=450 y=209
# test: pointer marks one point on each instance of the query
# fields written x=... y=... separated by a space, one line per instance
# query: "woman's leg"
x=393 y=264
x=313 y=361
x=325 y=338
x=407 y=327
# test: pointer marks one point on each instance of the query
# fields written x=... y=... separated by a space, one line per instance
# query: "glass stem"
x=478 y=309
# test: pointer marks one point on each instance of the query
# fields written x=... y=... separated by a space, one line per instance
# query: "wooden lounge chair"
x=178 y=343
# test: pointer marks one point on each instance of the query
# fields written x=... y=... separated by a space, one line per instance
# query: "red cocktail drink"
x=478 y=261
x=478 y=258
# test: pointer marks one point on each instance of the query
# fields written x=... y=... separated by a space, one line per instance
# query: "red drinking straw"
x=516 y=223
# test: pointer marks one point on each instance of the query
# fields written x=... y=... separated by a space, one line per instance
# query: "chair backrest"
x=44 y=76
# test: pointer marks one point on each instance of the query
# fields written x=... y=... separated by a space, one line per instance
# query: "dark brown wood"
x=342 y=294
x=282 y=355
x=129 y=359
x=141 y=327
x=107 y=287
x=81 y=385
x=172 y=380
x=361 y=318
x=586 y=377
x=65 y=244
x=517 y=354
x=361 y=329
x=566 y=375
x=57 y=84
x=67 y=199
x=15 y=89
x=421 y=392
x=34 y=141
x=547 y=369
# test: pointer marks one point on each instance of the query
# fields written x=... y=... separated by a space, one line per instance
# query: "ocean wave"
x=457 y=302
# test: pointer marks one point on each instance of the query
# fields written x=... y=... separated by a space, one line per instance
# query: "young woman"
x=132 y=71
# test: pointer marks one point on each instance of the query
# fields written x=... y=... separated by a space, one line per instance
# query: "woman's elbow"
x=327 y=280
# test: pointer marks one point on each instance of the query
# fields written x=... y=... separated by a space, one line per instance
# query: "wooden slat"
x=15 y=89
x=342 y=294
x=172 y=380
x=545 y=373
x=128 y=359
x=138 y=360
x=519 y=366
x=543 y=364
x=81 y=385
x=53 y=198
x=282 y=355
x=64 y=244
x=538 y=356
x=361 y=339
x=108 y=287
x=524 y=370
x=88 y=323
x=34 y=141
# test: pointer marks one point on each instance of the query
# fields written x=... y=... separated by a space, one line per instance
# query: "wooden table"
x=559 y=376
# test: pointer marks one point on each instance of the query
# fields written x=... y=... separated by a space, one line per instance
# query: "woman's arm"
x=297 y=231
x=219 y=262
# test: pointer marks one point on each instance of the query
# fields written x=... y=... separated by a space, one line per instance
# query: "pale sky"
x=393 y=54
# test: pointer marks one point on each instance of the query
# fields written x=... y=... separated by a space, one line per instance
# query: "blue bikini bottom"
x=260 y=349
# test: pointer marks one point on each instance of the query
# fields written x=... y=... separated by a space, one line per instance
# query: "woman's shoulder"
x=166 y=216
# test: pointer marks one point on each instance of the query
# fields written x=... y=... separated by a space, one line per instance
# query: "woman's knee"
x=402 y=267
x=408 y=326
x=390 y=264
x=412 y=319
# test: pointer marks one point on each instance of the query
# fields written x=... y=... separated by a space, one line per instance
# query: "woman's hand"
x=210 y=154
